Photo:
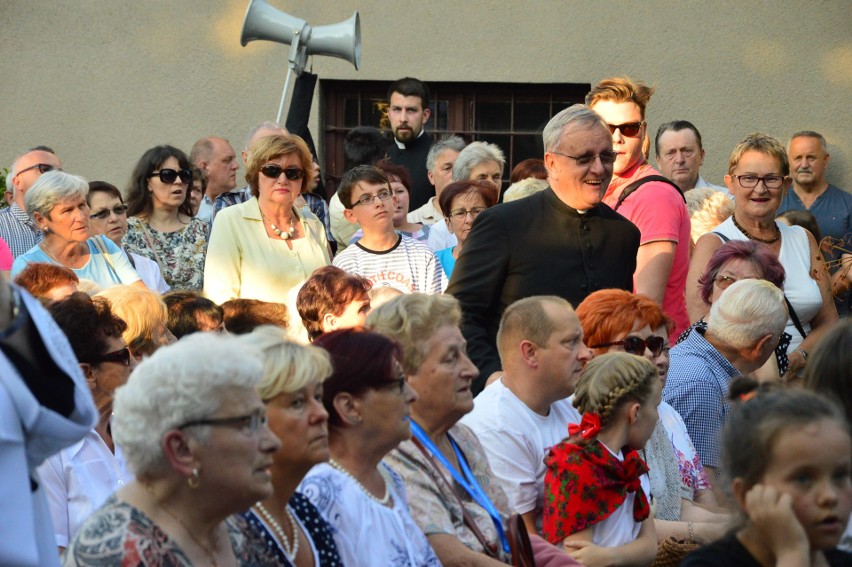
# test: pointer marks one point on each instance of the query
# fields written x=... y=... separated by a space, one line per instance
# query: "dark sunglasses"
x=104 y=214
x=273 y=171
x=630 y=130
x=42 y=168
x=169 y=176
x=121 y=356
x=637 y=346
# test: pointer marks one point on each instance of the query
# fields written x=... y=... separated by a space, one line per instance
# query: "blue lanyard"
x=468 y=482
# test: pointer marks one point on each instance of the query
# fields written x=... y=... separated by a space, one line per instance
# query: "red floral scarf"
x=584 y=485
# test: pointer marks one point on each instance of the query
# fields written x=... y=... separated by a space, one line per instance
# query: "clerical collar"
x=401 y=146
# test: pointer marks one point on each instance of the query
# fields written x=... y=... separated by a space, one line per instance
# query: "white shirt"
x=516 y=440
x=701 y=183
x=440 y=237
x=427 y=214
x=620 y=527
x=77 y=480
x=149 y=271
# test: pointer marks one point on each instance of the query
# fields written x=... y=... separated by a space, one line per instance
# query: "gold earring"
x=194 y=480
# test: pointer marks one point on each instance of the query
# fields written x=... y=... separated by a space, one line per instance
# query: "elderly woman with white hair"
x=286 y=524
x=193 y=430
x=478 y=161
x=57 y=204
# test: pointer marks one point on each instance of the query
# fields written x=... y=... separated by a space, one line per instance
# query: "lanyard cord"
x=468 y=482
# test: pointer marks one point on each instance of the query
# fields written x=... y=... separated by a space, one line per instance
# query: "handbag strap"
x=105 y=253
x=490 y=548
x=146 y=234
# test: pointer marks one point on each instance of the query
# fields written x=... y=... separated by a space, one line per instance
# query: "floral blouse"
x=180 y=254
x=119 y=534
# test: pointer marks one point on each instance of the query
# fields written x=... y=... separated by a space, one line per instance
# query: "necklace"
x=210 y=553
x=282 y=234
x=290 y=552
x=383 y=500
x=751 y=237
x=48 y=252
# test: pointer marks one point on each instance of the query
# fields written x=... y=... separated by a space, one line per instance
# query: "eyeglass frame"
x=42 y=168
x=105 y=214
x=585 y=161
x=287 y=171
x=758 y=179
x=461 y=214
x=655 y=352
x=252 y=422
x=121 y=356
x=367 y=200
x=185 y=175
x=620 y=127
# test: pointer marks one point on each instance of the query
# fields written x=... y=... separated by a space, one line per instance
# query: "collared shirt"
x=697 y=387
x=18 y=230
x=702 y=183
x=832 y=210
x=232 y=197
x=427 y=214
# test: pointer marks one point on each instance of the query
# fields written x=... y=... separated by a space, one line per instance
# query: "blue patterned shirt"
x=18 y=230
x=697 y=387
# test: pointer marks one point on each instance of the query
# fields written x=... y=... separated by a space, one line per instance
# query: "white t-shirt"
x=516 y=440
x=410 y=266
x=620 y=528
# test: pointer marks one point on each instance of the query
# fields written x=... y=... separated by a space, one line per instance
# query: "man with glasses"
x=17 y=229
x=560 y=241
x=383 y=256
x=656 y=207
x=680 y=155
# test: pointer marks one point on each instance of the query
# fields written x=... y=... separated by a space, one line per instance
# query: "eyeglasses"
x=607 y=158
x=724 y=282
x=274 y=171
x=249 y=423
x=461 y=214
x=367 y=200
x=104 y=214
x=169 y=176
x=121 y=356
x=635 y=345
x=397 y=383
x=42 y=168
x=751 y=181
x=629 y=130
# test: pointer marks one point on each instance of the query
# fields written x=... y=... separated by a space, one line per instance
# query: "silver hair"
x=579 y=114
x=455 y=143
x=746 y=312
x=261 y=126
x=51 y=188
x=809 y=134
x=179 y=383
x=524 y=188
x=472 y=155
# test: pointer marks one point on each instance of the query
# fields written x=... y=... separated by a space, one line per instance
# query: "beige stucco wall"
x=103 y=80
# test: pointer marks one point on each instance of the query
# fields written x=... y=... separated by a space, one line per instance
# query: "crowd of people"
x=606 y=364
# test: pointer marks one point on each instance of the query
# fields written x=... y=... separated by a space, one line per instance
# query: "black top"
x=729 y=552
x=536 y=246
x=413 y=157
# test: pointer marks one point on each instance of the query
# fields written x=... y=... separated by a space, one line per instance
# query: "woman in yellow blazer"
x=266 y=247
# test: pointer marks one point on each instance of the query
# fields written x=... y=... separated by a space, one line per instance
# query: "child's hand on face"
x=771 y=513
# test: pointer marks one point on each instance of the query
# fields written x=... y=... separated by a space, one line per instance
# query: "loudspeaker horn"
x=342 y=40
x=264 y=22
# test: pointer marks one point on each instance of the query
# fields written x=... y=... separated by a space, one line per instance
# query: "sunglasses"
x=637 y=346
x=42 y=168
x=629 y=130
x=273 y=171
x=104 y=214
x=121 y=356
x=169 y=176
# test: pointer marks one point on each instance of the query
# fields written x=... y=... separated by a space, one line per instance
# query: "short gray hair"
x=524 y=188
x=474 y=154
x=455 y=143
x=809 y=134
x=54 y=187
x=268 y=124
x=747 y=311
x=580 y=114
x=179 y=383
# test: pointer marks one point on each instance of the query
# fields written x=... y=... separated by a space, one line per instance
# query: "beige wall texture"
x=103 y=80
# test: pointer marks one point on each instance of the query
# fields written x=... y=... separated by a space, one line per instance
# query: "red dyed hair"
x=608 y=313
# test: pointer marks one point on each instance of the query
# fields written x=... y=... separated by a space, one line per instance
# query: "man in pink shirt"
x=657 y=208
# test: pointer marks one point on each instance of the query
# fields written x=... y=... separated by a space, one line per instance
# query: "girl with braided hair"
x=596 y=485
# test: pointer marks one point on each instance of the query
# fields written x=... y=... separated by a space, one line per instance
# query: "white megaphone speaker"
x=341 y=40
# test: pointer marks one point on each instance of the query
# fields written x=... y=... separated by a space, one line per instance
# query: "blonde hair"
x=143 y=311
x=271 y=147
x=622 y=89
x=524 y=188
x=611 y=380
x=412 y=320
x=287 y=366
x=764 y=144
x=708 y=208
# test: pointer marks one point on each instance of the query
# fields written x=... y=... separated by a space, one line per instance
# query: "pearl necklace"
x=282 y=234
x=383 y=500
x=290 y=552
x=755 y=238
